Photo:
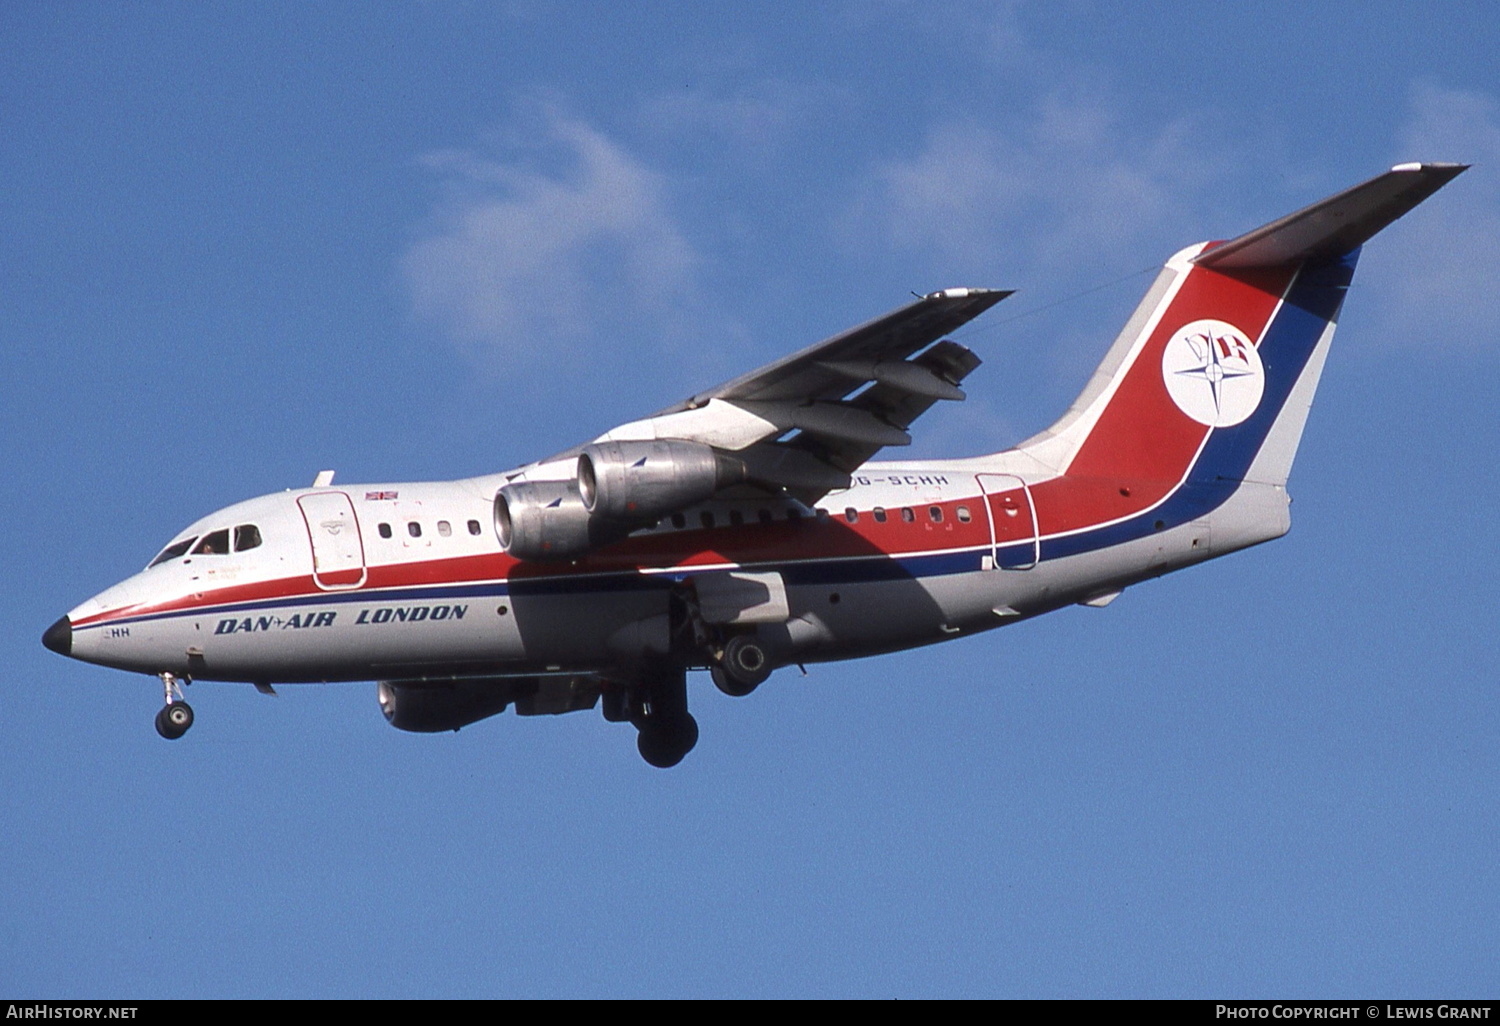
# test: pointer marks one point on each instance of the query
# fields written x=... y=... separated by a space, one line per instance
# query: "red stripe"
x=1140 y=448
x=806 y=539
x=1142 y=435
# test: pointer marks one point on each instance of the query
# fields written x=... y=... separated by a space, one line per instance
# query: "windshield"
x=172 y=552
x=214 y=543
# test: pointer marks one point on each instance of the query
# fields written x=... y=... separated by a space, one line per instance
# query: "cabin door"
x=1014 y=541
x=338 y=551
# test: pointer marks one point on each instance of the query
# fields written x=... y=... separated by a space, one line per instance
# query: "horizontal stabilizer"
x=1336 y=225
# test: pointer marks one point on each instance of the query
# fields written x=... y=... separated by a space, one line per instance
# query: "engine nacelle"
x=546 y=520
x=648 y=479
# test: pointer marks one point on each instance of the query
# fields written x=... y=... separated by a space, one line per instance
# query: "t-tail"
x=1195 y=415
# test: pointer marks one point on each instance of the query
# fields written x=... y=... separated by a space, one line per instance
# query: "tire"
x=727 y=684
x=746 y=662
x=174 y=720
x=664 y=744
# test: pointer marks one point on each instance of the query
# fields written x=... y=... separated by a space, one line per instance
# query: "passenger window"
x=907 y=515
x=385 y=530
x=936 y=513
x=794 y=514
x=706 y=518
x=736 y=518
x=444 y=528
x=964 y=516
x=765 y=516
x=879 y=512
x=474 y=527
x=215 y=543
x=852 y=515
x=173 y=551
x=414 y=529
x=822 y=515
x=246 y=536
x=678 y=520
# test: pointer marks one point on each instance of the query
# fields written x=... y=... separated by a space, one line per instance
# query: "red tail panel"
x=1142 y=434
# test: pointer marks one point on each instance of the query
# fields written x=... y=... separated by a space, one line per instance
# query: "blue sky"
x=246 y=243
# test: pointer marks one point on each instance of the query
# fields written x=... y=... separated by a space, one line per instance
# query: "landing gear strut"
x=176 y=716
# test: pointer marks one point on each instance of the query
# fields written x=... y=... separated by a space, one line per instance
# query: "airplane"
x=746 y=529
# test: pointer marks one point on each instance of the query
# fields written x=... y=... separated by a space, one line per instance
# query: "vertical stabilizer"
x=1212 y=377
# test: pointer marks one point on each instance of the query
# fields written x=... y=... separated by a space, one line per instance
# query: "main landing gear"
x=176 y=716
x=742 y=666
x=657 y=706
x=738 y=663
x=656 y=701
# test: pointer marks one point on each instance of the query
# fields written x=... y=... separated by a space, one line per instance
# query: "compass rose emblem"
x=1213 y=373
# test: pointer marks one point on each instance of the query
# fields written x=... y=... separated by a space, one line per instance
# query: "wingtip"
x=1432 y=165
x=969 y=293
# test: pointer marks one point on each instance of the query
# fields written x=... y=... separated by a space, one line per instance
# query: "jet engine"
x=544 y=520
x=646 y=480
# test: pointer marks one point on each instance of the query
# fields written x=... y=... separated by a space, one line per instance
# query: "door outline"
x=334 y=508
x=991 y=485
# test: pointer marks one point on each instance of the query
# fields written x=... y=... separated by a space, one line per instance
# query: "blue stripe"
x=1289 y=342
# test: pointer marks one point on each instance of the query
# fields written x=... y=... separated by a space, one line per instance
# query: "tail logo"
x=1213 y=373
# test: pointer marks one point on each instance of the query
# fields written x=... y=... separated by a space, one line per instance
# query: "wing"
x=804 y=422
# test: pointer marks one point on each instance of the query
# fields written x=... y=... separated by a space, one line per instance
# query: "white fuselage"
x=908 y=555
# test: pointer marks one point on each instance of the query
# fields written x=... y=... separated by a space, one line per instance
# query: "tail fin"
x=1212 y=377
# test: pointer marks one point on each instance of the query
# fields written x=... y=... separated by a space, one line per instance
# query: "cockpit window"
x=172 y=551
x=246 y=536
x=215 y=543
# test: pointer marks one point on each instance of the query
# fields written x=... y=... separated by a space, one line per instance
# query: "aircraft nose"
x=59 y=637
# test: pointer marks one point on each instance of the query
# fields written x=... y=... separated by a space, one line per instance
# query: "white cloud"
x=757 y=120
x=1066 y=183
x=1066 y=191
x=1434 y=277
x=526 y=260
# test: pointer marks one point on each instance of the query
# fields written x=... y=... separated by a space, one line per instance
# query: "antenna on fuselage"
x=324 y=479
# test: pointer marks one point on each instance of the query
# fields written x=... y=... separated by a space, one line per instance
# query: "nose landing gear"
x=176 y=716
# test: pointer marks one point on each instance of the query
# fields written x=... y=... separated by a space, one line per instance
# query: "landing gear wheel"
x=664 y=743
x=174 y=720
x=727 y=684
x=659 y=709
x=744 y=666
x=176 y=716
